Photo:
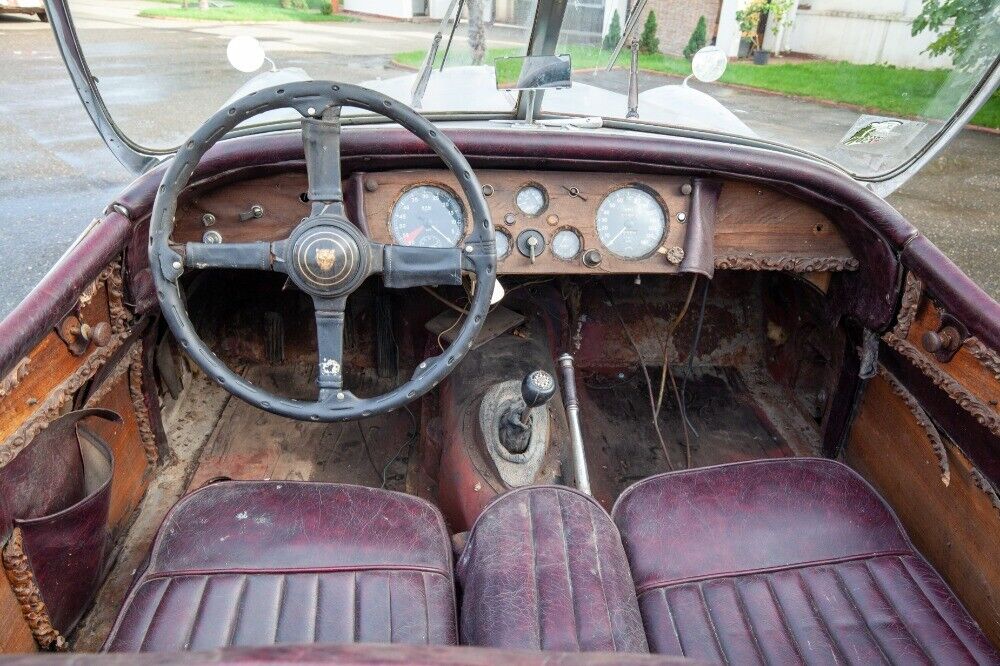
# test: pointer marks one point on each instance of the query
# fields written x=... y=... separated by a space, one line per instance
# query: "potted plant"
x=752 y=20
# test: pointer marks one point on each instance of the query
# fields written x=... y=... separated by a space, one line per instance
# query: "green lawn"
x=881 y=89
x=246 y=11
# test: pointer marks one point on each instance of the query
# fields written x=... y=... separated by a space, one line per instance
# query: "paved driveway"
x=56 y=175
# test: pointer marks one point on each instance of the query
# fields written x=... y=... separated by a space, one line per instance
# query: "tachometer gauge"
x=631 y=222
x=531 y=199
x=566 y=244
x=503 y=242
x=427 y=216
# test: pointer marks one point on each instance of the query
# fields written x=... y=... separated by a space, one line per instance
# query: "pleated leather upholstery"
x=544 y=569
x=261 y=563
x=786 y=562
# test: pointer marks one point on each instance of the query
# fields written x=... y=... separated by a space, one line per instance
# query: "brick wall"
x=676 y=19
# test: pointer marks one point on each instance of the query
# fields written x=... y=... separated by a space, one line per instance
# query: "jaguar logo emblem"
x=329 y=366
x=325 y=258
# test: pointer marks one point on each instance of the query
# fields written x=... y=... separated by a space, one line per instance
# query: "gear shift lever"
x=537 y=389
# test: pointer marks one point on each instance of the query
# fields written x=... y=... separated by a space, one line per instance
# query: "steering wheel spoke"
x=406 y=266
x=326 y=256
x=259 y=256
x=330 y=339
x=321 y=140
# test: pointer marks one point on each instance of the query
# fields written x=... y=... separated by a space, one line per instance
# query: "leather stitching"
x=564 y=538
x=838 y=651
x=646 y=587
x=852 y=602
x=930 y=601
x=711 y=624
x=600 y=576
x=534 y=574
x=234 y=618
x=745 y=616
x=301 y=570
x=895 y=611
x=783 y=617
x=196 y=617
x=152 y=616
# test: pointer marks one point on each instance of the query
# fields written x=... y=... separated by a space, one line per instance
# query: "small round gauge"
x=631 y=222
x=531 y=199
x=566 y=244
x=503 y=242
x=427 y=216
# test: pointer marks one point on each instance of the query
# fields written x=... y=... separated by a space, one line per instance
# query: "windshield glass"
x=866 y=85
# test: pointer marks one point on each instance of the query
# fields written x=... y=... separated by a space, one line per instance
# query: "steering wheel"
x=326 y=255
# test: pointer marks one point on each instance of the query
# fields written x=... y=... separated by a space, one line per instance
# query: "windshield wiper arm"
x=424 y=75
x=630 y=23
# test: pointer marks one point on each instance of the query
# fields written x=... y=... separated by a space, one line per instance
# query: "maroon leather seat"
x=251 y=563
x=544 y=569
x=786 y=561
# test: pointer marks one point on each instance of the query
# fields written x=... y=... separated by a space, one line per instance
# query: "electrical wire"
x=645 y=373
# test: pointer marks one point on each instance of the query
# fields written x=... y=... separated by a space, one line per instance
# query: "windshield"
x=864 y=85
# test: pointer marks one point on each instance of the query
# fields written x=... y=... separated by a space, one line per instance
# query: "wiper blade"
x=424 y=75
x=630 y=23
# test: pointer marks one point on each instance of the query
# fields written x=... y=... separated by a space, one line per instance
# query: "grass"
x=246 y=11
x=881 y=89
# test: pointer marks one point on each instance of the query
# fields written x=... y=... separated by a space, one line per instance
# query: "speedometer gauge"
x=631 y=222
x=427 y=216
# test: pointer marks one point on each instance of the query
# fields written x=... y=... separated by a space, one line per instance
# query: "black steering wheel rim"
x=313 y=99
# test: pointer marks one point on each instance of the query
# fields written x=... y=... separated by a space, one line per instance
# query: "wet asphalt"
x=56 y=175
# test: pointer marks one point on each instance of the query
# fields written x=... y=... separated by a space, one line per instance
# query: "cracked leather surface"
x=786 y=561
x=544 y=569
x=256 y=563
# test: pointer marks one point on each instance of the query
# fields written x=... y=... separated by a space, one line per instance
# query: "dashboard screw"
x=686 y=189
x=509 y=219
x=488 y=190
x=208 y=219
x=212 y=237
x=370 y=185
x=176 y=265
x=682 y=216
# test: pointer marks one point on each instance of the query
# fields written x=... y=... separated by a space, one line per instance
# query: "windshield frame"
x=543 y=40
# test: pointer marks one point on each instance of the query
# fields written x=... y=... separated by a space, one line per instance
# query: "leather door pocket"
x=54 y=502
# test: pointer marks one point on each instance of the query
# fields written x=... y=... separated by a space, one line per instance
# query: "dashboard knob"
x=592 y=258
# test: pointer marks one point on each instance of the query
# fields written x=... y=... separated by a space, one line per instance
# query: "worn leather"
x=251 y=563
x=543 y=569
x=354 y=655
x=63 y=521
x=786 y=561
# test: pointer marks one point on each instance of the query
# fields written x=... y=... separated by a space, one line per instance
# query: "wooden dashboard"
x=754 y=228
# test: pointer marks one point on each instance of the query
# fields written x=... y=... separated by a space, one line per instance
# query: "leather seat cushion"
x=786 y=561
x=544 y=569
x=249 y=563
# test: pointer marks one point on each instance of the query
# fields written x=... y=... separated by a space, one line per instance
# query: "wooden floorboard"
x=249 y=443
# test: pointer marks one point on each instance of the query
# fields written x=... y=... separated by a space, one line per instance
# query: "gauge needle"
x=409 y=238
x=620 y=232
x=441 y=234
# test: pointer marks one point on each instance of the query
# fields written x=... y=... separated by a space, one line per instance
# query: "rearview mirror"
x=245 y=53
x=534 y=72
x=709 y=64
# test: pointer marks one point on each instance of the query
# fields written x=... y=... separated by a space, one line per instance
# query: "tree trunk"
x=334 y=6
x=477 y=31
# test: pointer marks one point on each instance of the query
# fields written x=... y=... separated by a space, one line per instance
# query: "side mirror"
x=534 y=72
x=245 y=53
x=709 y=64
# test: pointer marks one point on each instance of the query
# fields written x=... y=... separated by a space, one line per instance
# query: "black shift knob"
x=537 y=388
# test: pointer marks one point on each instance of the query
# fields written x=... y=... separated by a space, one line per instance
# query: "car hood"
x=882 y=152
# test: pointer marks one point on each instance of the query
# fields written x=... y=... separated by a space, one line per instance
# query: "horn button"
x=328 y=257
